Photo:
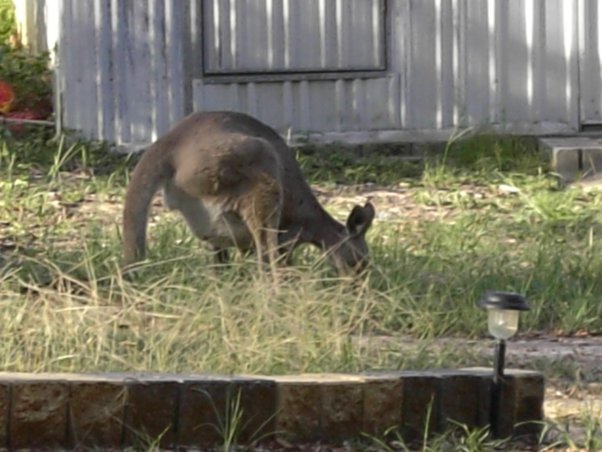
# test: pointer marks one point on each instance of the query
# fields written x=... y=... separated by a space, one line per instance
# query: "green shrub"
x=8 y=25
x=30 y=77
x=27 y=73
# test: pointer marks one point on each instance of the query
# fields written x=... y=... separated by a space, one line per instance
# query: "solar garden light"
x=503 y=309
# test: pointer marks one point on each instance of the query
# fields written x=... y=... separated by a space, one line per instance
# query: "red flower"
x=7 y=97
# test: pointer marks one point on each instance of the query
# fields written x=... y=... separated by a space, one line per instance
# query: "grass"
x=484 y=215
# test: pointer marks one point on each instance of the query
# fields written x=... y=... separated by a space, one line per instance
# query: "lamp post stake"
x=496 y=387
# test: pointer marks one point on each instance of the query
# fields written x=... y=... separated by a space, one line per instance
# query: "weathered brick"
x=383 y=400
x=521 y=400
x=201 y=413
x=4 y=413
x=528 y=401
x=208 y=407
x=298 y=410
x=460 y=399
x=151 y=412
x=328 y=407
x=319 y=406
x=96 y=413
x=342 y=410
x=38 y=414
x=258 y=398
x=521 y=403
x=421 y=404
x=484 y=407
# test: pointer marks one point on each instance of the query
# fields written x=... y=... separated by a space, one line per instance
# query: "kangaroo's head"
x=351 y=254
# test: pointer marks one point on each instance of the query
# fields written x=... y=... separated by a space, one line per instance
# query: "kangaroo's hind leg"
x=261 y=208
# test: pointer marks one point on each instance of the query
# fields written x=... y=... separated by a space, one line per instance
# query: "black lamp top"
x=503 y=300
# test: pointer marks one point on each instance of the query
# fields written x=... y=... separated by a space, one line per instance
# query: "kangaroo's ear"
x=360 y=219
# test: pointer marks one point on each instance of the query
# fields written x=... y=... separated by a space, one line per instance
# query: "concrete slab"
x=573 y=157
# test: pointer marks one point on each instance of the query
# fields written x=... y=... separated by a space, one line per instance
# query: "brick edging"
x=123 y=409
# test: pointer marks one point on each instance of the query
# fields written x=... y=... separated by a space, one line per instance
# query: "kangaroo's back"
x=212 y=126
x=203 y=151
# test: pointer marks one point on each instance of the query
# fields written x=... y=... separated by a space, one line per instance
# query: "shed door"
x=299 y=65
x=590 y=70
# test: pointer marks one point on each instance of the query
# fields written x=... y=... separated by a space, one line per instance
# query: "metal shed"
x=327 y=69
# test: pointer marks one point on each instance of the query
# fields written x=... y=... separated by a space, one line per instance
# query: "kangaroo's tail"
x=151 y=171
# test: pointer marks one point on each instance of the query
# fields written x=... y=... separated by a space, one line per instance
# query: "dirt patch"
x=577 y=363
x=572 y=366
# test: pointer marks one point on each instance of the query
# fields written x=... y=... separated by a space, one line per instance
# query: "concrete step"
x=574 y=157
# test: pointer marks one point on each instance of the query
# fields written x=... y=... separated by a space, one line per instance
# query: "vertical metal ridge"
x=120 y=44
x=598 y=25
x=160 y=97
x=234 y=97
x=340 y=34
x=252 y=98
x=529 y=17
x=501 y=60
x=287 y=104
x=539 y=55
x=460 y=100
x=439 y=61
x=269 y=20
x=286 y=7
x=570 y=54
x=233 y=35
x=90 y=74
x=175 y=76
x=66 y=59
x=377 y=29
x=142 y=114
x=406 y=63
x=582 y=14
x=339 y=95
x=323 y=34
x=457 y=63
x=568 y=50
x=304 y=105
x=492 y=15
x=393 y=99
x=104 y=62
x=154 y=63
x=359 y=104
x=195 y=41
x=216 y=32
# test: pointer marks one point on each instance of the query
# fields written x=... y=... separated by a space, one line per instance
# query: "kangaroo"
x=238 y=184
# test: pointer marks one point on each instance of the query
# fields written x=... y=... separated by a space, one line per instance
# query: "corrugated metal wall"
x=35 y=31
x=590 y=43
x=130 y=68
x=121 y=67
x=468 y=62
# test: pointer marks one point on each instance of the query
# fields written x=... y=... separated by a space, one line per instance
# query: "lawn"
x=484 y=214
